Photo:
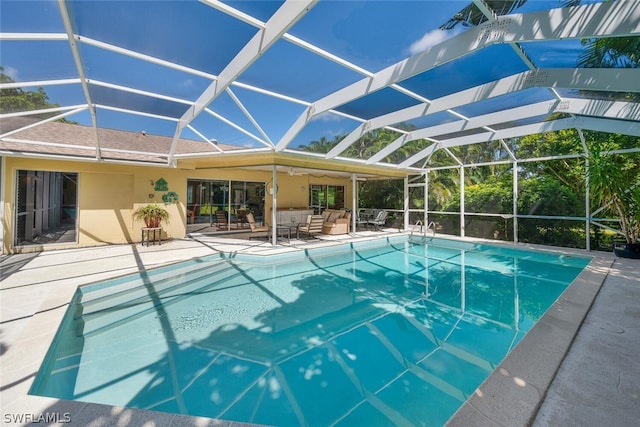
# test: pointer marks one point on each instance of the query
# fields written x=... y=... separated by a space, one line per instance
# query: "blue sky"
x=372 y=35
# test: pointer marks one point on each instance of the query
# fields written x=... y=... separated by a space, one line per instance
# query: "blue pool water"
x=382 y=333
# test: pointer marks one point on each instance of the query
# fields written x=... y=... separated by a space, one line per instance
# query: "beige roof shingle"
x=65 y=139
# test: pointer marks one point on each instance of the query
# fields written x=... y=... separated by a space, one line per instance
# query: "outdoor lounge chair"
x=362 y=217
x=256 y=228
x=379 y=220
x=222 y=220
x=241 y=216
x=312 y=226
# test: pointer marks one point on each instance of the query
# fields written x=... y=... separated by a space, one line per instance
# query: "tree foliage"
x=384 y=194
x=616 y=52
x=615 y=184
x=17 y=99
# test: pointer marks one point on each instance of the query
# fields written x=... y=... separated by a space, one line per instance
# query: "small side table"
x=150 y=234
x=282 y=228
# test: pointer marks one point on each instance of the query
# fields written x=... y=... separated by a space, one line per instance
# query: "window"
x=46 y=207
x=323 y=197
x=205 y=197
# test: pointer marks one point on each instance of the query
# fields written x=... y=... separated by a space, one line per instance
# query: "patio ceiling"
x=281 y=77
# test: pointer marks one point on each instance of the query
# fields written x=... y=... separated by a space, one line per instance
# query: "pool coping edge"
x=515 y=390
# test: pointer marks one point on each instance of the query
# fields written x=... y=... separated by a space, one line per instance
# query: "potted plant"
x=613 y=180
x=152 y=215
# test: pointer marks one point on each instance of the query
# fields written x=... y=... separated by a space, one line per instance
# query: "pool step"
x=130 y=288
x=133 y=303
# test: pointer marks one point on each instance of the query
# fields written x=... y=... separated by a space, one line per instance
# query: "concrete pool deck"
x=578 y=366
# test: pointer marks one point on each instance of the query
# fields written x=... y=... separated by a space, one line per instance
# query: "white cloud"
x=187 y=83
x=327 y=117
x=432 y=38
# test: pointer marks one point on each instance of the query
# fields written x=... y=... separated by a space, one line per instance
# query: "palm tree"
x=614 y=183
x=321 y=146
x=471 y=16
x=611 y=52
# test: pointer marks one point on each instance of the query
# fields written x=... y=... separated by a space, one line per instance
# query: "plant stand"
x=151 y=234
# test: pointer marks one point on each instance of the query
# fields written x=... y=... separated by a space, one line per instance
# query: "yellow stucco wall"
x=109 y=193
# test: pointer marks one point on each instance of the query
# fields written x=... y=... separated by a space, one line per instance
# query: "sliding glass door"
x=228 y=198
x=46 y=207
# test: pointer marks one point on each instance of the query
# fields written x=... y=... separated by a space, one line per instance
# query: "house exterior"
x=57 y=193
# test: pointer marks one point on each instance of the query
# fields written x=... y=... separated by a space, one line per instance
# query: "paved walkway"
x=596 y=385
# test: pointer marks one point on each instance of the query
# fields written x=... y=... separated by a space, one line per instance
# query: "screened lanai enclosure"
x=490 y=109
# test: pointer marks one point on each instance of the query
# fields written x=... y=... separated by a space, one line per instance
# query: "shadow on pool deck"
x=596 y=384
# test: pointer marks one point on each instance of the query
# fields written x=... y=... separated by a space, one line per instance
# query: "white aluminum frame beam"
x=249 y=116
x=78 y=109
x=592 y=123
x=594 y=20
x=519 y=113
x=237 y=127
x=168 y=64
x=283 y=19
x=577 y=106
x=600 y=108
x=488 y=136
x=598 y=79
x=80 y=68
x=20 y=85
x=33 y=36
x=624 y=127
x=42 y=111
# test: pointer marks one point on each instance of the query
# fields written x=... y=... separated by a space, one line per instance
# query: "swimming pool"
x=387 y=332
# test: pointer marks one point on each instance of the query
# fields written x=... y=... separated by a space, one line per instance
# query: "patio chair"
x=312 y=226
x=222 y=220
x=379 y=220
x=192 y=213
x=241 y=217
x=256 y=228
x=362 y=218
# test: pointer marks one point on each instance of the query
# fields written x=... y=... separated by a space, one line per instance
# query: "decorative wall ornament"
x=161 y=185
x=170 y=197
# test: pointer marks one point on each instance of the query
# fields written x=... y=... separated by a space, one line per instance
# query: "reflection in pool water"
x=382 y=333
